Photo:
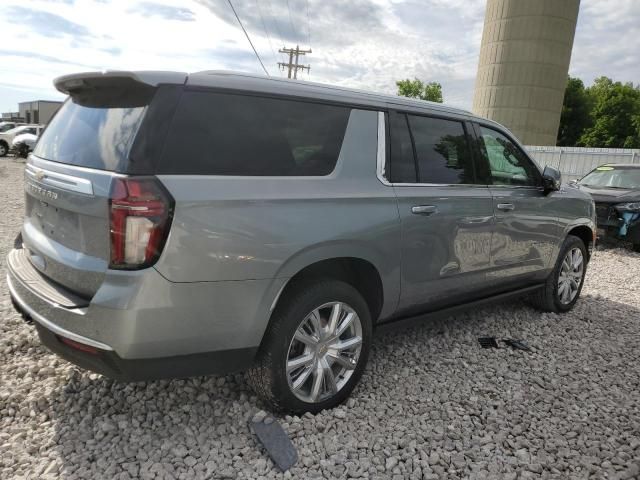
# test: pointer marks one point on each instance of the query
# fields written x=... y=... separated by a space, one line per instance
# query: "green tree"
x=615 y=115
x=576 y=113
x=415 y=88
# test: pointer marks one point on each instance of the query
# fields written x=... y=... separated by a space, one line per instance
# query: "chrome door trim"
x=382 y=150
x=60 y=180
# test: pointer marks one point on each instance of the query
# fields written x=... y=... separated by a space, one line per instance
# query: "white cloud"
x=361 y=43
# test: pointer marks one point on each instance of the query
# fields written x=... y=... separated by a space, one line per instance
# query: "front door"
x=526 y=228
x=446 y=218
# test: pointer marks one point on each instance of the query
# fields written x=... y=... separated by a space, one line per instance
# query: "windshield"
x=612 y=177
x=91 y=136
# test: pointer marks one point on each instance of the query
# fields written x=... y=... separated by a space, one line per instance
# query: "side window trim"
x=383 y=160
x=416 y=165
x=480 y=159
x=477 y=126
x=472 y=133
x=469 y=136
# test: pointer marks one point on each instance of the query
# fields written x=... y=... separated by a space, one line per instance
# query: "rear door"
x=526 y=229
x=67 y=183
x=446 y=216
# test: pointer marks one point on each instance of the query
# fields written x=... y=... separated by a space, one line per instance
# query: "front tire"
x=316 y=348
x=563 y=286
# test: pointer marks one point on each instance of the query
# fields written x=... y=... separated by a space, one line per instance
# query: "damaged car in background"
x=615 y=188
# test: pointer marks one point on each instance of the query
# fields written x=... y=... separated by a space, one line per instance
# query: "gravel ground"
x=432 y=403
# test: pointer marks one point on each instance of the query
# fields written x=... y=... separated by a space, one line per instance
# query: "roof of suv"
x=285 y=86
x=260 y=84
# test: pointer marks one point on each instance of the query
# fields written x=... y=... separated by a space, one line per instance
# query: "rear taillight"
x=141 y=211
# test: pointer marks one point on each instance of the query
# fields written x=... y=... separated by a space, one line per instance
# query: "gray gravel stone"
x=431 y=404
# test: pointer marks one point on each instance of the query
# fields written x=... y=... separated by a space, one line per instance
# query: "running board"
x=407 y=322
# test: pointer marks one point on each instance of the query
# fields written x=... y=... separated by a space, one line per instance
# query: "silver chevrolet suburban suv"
x=181 y=225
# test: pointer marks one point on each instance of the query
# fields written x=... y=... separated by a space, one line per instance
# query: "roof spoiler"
x=68 y=84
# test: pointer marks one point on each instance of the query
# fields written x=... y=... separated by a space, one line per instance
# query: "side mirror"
x=551 y=179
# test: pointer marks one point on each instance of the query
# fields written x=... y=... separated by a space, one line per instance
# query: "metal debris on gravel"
x=431 y=404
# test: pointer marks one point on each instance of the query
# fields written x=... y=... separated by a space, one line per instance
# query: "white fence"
x=575 y=162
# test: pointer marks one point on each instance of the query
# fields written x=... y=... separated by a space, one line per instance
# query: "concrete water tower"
x=524 y=62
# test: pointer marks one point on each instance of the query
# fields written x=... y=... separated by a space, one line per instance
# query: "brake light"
x=141 y=211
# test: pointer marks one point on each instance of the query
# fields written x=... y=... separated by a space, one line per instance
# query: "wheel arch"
x=359 y=273
x=586 y=233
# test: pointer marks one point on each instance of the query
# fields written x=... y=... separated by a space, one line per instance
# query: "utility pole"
x=294 y=65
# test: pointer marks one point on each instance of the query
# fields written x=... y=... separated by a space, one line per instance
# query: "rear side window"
x=442 y=151
x=95 y=132
x=228 y=134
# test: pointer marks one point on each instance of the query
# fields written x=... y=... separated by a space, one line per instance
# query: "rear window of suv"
x=231 y=134
x=95 y=131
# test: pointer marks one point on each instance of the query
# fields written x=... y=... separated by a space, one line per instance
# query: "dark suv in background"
x=182 y=225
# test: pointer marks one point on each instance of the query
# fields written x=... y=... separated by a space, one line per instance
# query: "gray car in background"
x=181 y=225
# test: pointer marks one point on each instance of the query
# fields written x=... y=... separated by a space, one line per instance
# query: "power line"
x=308 y=26
x=293 y=29
x=275 y=22
x=248 y=38
x=264 y=26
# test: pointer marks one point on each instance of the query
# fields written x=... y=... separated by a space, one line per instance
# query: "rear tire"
x=4 y=149
x=301 y=332
x=563 y=286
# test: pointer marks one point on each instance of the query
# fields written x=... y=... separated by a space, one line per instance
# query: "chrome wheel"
x=324 y=352
x=570 y=278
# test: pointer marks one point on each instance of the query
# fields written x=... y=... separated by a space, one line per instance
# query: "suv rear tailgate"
x=66 y=226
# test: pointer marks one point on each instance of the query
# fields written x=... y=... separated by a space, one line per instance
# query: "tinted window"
x=442 y=151
x=403 y=168
x=90 y=136
x=223 y=134
x=508 y=164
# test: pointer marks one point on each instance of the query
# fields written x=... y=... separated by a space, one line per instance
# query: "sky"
x=364 y=44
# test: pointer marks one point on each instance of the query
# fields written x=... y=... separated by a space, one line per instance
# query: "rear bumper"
x=108 y=363
x=146 y=327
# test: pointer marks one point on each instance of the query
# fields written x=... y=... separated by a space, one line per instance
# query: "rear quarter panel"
x=250 y=228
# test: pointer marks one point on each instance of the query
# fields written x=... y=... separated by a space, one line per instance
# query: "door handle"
x=505 y=207
x=424 y=209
